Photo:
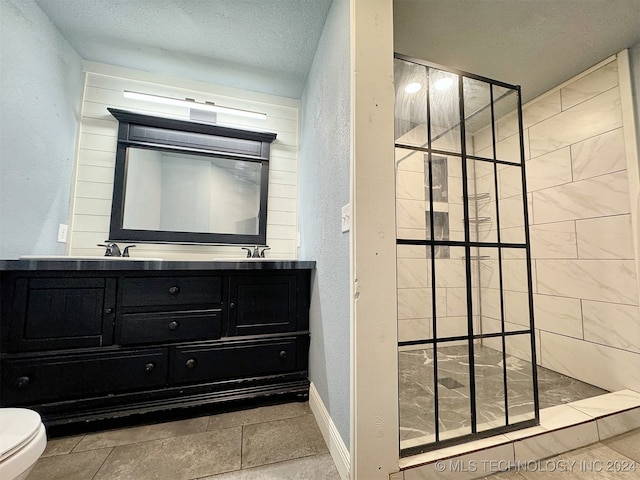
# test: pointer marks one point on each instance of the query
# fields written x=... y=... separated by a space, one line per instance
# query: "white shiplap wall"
x=95 y=160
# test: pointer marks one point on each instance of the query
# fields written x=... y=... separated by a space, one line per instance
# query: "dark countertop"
x=100 y=263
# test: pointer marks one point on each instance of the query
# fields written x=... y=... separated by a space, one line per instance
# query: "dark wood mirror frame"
x=179 y=136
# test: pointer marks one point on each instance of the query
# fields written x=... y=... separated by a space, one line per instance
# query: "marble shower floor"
x=417 y=392
x=280 y=442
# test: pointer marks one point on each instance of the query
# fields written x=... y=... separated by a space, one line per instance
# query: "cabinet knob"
x=23 y=382
x=173 y=325
x=108 y=310
x=149 y=367
x=232 y=305
x=191 y=363
x=174 y=290
x=283 y=354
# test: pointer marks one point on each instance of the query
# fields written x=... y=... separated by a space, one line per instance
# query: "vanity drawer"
x=241 y=359
x=36 y=380
x=154 y=291
x=140 y=328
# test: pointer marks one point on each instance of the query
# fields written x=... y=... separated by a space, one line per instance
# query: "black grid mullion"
x=527 y=242
x=467 y=250
x=500 y=276
x=477 y=336
x=434 y=305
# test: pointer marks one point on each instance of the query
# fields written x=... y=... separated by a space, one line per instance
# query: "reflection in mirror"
x=477 y=110
x=444 y=110
x=182 y=192
x=507 y=126
x=411 y=103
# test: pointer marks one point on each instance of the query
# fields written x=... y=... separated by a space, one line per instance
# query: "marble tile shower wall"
x=584 y=274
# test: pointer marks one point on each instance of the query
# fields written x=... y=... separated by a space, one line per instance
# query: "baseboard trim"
x=337 y=448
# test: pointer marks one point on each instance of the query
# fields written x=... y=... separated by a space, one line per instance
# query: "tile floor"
x=266 y=443
x=417 y=394
x=617 y=458
x=563 y=428
x=279 y=442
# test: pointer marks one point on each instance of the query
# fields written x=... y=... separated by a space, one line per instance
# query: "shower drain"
x=450 y=383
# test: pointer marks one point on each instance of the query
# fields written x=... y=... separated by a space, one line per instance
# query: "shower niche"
x=466 y=352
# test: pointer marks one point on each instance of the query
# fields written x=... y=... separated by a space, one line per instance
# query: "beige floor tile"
x=316 y=467
x=258 y=415
x=61 y=446
x=595 y=462
x=280 y=440
x=178 y=458
x=125 y=436
x=618 y=423
x=628 y=445
x=510 y=475
x=74 y=466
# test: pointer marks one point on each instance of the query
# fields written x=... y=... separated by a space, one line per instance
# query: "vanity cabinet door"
x=262 y=304
x=36 y=380
x=234 y=360
x=64 y=312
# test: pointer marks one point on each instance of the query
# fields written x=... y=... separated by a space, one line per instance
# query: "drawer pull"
x=23 y=382
x=191 y=363
x=149 y=367
x=174 y=290
x=283 y=354
x=173 y=325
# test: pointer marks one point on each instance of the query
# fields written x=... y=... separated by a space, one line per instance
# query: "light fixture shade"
x=188 y=103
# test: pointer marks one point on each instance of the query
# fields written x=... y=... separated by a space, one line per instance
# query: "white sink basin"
x=86 y=257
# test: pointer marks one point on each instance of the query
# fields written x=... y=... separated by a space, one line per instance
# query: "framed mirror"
x=187 y=182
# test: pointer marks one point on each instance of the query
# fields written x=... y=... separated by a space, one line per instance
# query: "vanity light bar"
x=191 y=103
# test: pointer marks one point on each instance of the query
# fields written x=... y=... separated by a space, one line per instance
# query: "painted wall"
x=91 y=211
x=324 y=189
x=41 y=85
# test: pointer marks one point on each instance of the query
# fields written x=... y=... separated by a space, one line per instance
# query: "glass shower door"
x=465 y=320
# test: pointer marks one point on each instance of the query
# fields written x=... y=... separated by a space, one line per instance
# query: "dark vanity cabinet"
x=121 y=338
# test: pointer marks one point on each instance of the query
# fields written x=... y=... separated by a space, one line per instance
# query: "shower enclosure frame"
x=430 y=243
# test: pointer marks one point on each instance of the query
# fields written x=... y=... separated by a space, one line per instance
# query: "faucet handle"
x=112 y=249
x=264 y=250
x=248 y=251
x=125 y=253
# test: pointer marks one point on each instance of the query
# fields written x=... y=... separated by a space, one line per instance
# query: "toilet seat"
x=22 y=440
x=18 y=427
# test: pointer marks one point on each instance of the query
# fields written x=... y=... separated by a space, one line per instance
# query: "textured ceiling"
x=268 y=45
x=260 y=45
x=536 y=44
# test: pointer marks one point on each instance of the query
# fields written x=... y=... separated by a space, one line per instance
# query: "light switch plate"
x=346 y=217
x=62 y=233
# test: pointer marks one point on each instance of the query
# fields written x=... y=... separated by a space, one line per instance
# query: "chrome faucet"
x=257 y=253
x=112 y=249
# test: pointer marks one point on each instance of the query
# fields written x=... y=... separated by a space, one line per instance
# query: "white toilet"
x=22 y=441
